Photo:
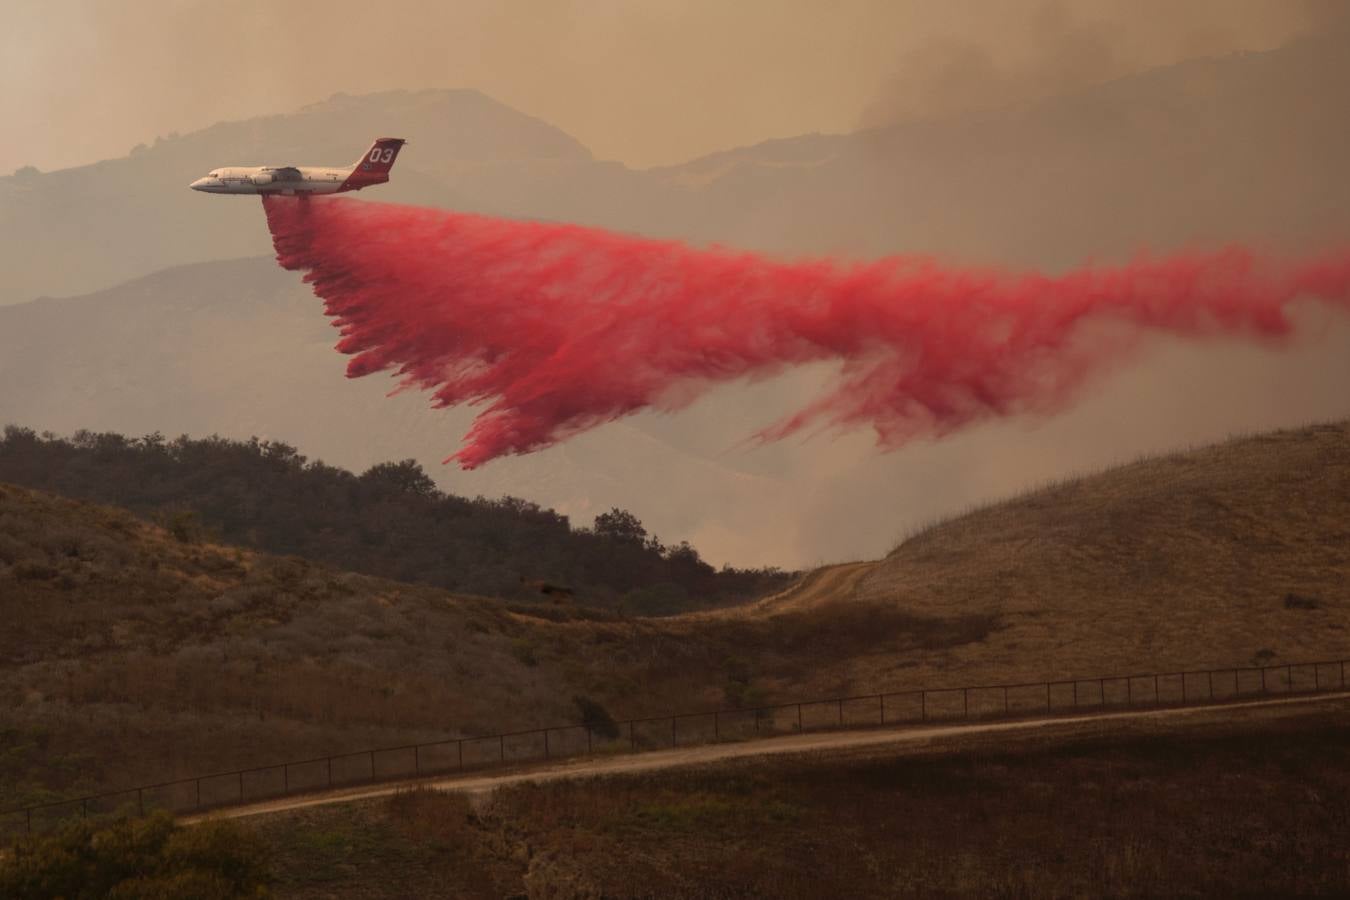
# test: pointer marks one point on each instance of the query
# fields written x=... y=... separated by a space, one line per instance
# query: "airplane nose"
x=203 y=184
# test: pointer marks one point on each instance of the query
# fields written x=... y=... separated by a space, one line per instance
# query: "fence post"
x=1101 y=693
x=29 y=827
x=881 y=703
x=286 y=778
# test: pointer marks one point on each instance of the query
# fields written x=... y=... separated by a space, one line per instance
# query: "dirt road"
x=825 y=585
x=587 y=767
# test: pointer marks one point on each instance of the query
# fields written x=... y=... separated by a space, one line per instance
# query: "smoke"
x=82 y=80
x=556 y=329
x=1050 y=47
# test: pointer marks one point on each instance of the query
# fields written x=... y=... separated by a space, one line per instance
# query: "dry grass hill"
x=130 y=655
x=1230 y=553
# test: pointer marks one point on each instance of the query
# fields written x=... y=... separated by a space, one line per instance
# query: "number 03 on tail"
x=372 y=168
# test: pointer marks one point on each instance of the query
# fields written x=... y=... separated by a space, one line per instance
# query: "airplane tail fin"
x=373 y=167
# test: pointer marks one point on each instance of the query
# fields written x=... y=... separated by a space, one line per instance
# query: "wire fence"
x=915 y=706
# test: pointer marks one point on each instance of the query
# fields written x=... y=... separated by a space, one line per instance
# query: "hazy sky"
x=646 y=83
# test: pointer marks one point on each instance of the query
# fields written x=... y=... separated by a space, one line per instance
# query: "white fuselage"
x=273 y=180
x=372 y=168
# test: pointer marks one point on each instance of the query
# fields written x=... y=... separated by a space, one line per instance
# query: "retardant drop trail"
x=559 y=328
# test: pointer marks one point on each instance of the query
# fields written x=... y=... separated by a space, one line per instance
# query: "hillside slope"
x=389 y=521
x=131 y=656
x=1239 y=551
x=132 y=653
x=128 y=654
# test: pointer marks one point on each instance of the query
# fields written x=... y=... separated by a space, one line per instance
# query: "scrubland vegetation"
x=391 y=521
x=133 y=653
x=132 y=656
x=146 y=858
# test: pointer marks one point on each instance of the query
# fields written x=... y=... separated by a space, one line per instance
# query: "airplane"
x=372 y=168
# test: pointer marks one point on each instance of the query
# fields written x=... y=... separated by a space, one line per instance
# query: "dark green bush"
x=147 y=857
x=595 y=717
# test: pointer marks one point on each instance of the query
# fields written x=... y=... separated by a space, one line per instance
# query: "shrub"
x=147 y=857
x=1298 y=601
x=523 y=650
x=595 y=717
x=32 y=571
x=185 y=527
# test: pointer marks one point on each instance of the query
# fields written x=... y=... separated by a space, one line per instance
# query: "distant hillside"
x=1249 y=146
x=391 y=521
x=127 y=217
x=1246 y=146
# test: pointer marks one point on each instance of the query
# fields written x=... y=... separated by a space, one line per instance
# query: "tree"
x=620 y=525
x=406 y=476
x=596 y=718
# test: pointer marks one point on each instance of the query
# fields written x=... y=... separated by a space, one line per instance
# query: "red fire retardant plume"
x=559 y=328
